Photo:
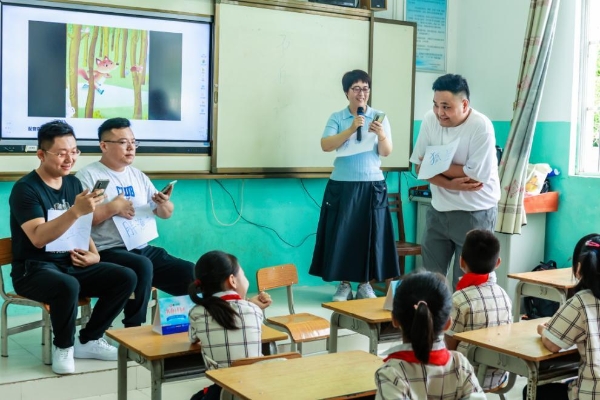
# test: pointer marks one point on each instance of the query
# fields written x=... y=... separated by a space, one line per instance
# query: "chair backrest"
x=395 y=204
x=252 y=360
x=5 y=260
x=279 y=276
x=276 y=277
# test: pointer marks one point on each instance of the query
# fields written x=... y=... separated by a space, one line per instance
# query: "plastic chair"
x=44 y=323
x=403 y=247
x=301 y=327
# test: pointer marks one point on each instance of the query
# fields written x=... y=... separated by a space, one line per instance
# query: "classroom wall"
x=484 y=44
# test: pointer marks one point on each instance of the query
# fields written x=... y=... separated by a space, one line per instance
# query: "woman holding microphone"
x=355 y=237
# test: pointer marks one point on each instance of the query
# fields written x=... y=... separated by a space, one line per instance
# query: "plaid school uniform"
x=477 y=307
x=401 y=379
x=578 y=322
x=221 y=346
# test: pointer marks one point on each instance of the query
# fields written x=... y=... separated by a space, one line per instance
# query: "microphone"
x=360 y=112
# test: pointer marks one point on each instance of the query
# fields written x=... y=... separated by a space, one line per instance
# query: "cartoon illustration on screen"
x=107 y=71
x=101 y=72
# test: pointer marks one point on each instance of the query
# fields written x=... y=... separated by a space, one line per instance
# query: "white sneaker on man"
x=62 y=360
x=343 y=292
x=365 y=291
x=97 y=349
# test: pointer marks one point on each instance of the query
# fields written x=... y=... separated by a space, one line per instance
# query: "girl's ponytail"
x=422 y=333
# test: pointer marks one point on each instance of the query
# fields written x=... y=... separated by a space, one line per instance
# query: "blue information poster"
x=430 y=16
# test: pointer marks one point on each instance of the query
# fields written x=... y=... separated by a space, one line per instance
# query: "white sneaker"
x=343 y=292
x=62 y=360
x=98 y=349
x=365 y=291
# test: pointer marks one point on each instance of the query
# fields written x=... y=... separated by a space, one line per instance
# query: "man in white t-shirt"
x=128 y=190
x=464 y=197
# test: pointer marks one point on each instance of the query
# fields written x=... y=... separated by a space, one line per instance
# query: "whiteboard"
x=278 y=79
x=393 y=76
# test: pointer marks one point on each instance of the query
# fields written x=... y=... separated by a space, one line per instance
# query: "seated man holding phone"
x=130 y=191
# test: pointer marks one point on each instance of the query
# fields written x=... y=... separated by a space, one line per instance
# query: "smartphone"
x=100 y=184
x=168 y=187
x=379 y=117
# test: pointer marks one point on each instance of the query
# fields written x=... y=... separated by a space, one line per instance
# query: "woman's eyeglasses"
x=358 y=89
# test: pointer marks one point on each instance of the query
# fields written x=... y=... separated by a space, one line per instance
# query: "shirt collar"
x=347 y=114
x=437 y=345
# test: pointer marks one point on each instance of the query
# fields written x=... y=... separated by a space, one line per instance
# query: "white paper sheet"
x=139 y=230
x=76 y=237
x=437 y=159
x=351 y=146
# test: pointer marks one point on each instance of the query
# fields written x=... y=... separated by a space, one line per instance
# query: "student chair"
x=403 y=247
x=44 y=323
x=301 y=327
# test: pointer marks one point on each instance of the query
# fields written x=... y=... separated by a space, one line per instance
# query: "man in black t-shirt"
x=61 y=278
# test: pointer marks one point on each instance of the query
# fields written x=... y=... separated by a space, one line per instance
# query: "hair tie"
x=591 y=243
x=197 y=283
x=419 y=303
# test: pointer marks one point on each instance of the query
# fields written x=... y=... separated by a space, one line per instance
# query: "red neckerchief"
x=228 y=297
x=436 y=357
x=471 y=279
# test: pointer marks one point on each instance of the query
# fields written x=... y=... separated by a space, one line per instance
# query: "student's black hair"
x=356 y=75
x=587 y=252
x=211 y=270
x=480 y=251
x=112 y=123
x=51 y=130
x=452 y=83
x=422 y=306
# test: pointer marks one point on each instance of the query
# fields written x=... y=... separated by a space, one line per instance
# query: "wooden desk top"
x=519 y=339
x=334 y=375
x=561 y=278
x=154 y=346
x=368 y=310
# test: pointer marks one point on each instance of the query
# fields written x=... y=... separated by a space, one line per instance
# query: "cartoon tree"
x=75 y=36
x=144 y=56
x=136 y=75
x=89 y=105
x=123 y=52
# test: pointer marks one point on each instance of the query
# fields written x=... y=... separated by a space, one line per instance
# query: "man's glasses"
x=63 y=154
x=358 y=89
x=124 y=143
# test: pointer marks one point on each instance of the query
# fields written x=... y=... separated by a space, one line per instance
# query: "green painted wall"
x=283 y=205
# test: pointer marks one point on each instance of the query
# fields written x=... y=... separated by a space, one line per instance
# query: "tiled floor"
x=23 y=376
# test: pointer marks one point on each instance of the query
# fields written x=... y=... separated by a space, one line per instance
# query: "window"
x=588 y=160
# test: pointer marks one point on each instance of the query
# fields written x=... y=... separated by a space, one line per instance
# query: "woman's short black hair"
x=351 y=77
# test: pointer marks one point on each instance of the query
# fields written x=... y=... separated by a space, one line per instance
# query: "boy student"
x=129 y=192
x=60 y=278
x=478 y=301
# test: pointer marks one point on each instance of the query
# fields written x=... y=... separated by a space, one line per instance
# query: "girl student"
x=421 y=367
x=226 y=323
x=577 y=322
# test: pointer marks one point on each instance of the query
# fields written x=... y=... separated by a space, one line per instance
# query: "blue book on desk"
x=172 y=315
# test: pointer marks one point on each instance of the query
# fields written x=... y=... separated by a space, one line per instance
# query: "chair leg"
x=86 y=313
x=46 y=338
x=401 y=263
x=4 y=328
x=293 y=345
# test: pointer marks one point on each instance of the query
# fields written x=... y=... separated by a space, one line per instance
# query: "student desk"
x=517 y=348
x=349 y=374
x=168 y=357
x=363 y=316
x=550 y=285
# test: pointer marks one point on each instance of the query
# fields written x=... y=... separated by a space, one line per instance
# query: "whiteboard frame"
x=307 y=8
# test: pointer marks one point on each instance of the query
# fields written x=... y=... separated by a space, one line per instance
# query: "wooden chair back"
x=276 y=277
x=395 y=205
x=251 y=360
x=5 y=260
